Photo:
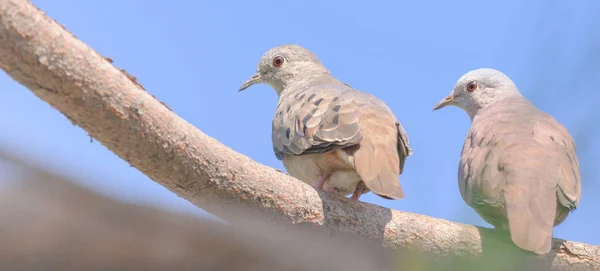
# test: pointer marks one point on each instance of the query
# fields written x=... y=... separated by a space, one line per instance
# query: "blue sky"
x=194 y=55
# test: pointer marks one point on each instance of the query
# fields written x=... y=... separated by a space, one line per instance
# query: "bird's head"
x=478 y=89
x=285 y=65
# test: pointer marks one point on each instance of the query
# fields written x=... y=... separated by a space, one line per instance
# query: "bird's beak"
x=254 y=79
x=449 y=100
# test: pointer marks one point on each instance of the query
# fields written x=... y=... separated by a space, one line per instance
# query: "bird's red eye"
x=278 y=61
x=471 y=86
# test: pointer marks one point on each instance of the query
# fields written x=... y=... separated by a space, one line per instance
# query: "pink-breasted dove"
x=518 y=167
x=327 y=133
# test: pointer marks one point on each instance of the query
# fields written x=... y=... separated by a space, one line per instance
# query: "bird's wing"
x=322 y=118
x=555 y=138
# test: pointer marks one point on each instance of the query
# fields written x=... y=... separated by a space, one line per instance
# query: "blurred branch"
x=113 y=108
x=50 y=223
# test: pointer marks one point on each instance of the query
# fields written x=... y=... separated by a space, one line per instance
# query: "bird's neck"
x=302 y=82
x=494 y=106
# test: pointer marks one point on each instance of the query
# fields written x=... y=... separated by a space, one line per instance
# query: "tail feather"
x=378 y=167
x=531 y=219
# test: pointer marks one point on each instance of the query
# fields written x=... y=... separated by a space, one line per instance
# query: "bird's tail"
x=378 y=167
x=531 y=218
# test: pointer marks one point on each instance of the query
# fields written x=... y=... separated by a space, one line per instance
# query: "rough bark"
x=113 y=108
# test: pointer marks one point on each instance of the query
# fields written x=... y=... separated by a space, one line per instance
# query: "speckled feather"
x=328 y=115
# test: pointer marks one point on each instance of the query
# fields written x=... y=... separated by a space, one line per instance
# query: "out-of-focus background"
x=193 y=55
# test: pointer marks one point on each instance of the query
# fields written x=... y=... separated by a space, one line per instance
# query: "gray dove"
x=518 y=167
x=328 y=134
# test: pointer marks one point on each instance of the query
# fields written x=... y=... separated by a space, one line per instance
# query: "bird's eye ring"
x=278 y=61
x=472 y=86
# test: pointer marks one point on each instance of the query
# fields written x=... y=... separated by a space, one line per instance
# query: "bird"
x=518 y=167
x=328 y=134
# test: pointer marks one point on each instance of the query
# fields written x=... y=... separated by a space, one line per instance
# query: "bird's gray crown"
x=490 y=77
x=292 y=53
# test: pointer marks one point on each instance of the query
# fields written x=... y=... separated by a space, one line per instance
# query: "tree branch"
x=113 y=108
x=46 y=225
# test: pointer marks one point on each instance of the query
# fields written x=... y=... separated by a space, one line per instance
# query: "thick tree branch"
x=63 y=71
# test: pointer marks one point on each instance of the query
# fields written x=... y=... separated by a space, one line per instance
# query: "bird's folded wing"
x=319 y=119
x=556 y=139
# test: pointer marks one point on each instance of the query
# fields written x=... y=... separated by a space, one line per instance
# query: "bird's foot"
x=321 y=181
x=358 y=191
x=356 y=195
x=333 y=189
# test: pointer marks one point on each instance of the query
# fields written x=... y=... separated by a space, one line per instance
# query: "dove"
x=518 y=167
x=327 y=133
